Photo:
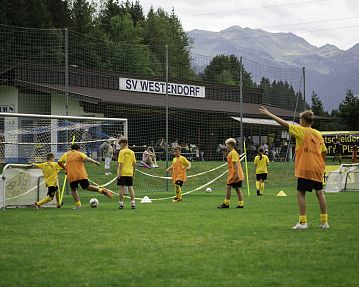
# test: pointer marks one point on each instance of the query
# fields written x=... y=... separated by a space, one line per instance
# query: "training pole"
x=65 y=179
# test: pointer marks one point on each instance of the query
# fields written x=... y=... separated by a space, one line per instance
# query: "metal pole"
x=241 y=101
x=67 y=87
x=167 y=146
x=304 y=88
x=66 y=72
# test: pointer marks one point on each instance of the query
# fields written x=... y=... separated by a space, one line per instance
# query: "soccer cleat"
x=37 y=206
x=324 y=225
x=177 y=199
x=59 y=206
x=133 y=206
x=223 y=205
x=240 y=206
x=120 y=207
x=77 y=207
x=107 y=193
x=300 y=226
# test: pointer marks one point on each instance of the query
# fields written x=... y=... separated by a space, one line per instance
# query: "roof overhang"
x=258 y=121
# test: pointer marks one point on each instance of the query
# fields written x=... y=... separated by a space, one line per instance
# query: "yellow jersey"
x=234 y=177
x=261 y=164
x=75 y=168
x=50 y=170
x=128 y=159
x=179 y=168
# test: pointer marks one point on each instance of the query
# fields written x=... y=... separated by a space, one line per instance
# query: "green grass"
x=191 y=243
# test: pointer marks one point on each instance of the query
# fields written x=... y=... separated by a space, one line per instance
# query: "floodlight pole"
x=166 y=145
x=241 y=102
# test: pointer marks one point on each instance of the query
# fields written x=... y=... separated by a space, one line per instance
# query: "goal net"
x=346 y=178
x=28 y=138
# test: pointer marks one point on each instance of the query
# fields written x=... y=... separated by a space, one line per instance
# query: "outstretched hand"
x=263 y=110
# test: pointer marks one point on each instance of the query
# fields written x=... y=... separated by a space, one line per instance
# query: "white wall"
x=9 y=95
x=74 y=108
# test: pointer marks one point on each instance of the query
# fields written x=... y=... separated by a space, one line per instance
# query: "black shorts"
x=261 y=176
x=237 y=184
x=308 y=185
x=179 y=182
x=125 y=181
x=83 y=182
x=51 y=190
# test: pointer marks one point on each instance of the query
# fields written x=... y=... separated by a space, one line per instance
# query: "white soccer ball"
x=94 y=202
x=208 y=189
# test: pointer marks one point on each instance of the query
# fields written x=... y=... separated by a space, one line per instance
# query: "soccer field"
x=191 y=243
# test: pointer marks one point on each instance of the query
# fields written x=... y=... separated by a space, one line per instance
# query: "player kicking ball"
x=235 y=175
x=50 y=170
x=77 y=175
x=179 y=168
x=309 y=164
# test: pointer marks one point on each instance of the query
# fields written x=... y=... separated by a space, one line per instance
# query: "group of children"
x=75 y=172
x=309 y=169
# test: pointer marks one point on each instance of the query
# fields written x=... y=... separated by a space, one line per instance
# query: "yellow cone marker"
x=281 y=193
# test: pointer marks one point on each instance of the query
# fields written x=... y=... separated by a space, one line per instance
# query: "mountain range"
x=329 y=71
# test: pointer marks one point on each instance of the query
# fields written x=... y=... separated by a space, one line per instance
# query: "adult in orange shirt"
x=76 y=173
x=179 y=168
x=235 y=175
x=309 y=164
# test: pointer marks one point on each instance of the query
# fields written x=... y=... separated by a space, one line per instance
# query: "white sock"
x=133 y=202
x=121 y=202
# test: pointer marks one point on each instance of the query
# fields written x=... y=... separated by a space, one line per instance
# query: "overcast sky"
x=318 y=21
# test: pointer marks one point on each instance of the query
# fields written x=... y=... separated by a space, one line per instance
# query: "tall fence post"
x=167 y=143
x=67 y=86
x=241 y=102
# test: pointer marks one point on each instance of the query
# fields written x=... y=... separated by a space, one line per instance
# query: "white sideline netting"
x=346 y=178
x=110 y=184
x=22 y=186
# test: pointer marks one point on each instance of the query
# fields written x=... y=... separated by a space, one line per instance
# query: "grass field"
x=191 y=243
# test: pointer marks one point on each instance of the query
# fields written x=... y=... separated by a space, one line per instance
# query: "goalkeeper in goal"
x=50 y=170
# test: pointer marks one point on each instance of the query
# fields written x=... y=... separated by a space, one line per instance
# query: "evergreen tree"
x=59 y=13
x=231 y=64
x=348 y=112
x=110 y=9
x=317 y=105
x=162 y=29
x=82 y=16
x=29 y=13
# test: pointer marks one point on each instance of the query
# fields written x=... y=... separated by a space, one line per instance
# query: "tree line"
x=119 y=37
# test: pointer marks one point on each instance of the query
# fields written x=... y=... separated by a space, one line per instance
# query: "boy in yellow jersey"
x=235 y=175
x=261 y=161
x=76 y=173
x=179 y=168
x=126 y=171
x=50 y=170
x=309 y=164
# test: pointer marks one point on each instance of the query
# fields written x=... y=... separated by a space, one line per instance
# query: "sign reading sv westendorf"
x=154 y=87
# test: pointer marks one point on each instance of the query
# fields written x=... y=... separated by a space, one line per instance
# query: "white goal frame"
x=44 y=117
